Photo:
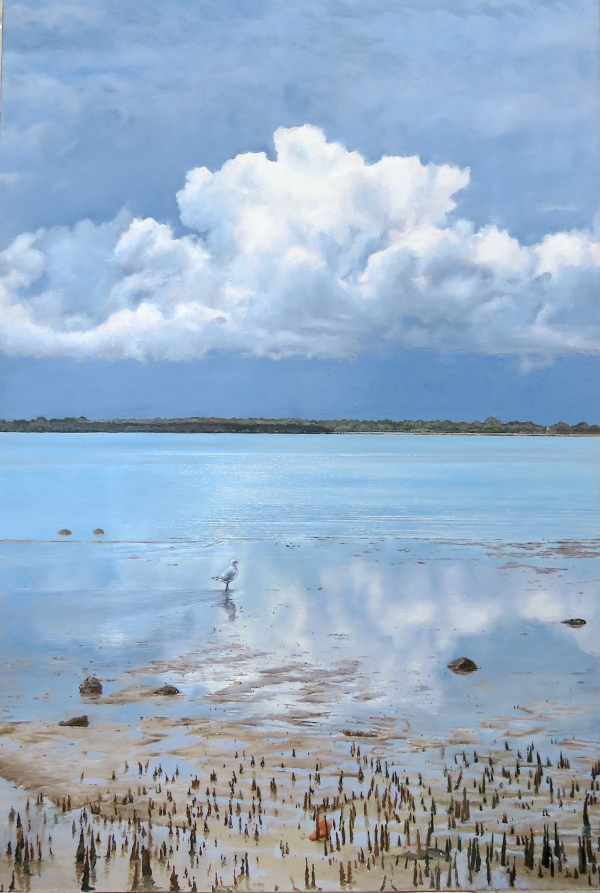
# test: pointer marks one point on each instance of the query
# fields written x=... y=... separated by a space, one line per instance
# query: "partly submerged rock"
x=91 y=686
x=463 y=666
x=352 y=733
x=80 y=722
x=64 y=532
x=167 y=690
x=575 y=622
x=98 y=532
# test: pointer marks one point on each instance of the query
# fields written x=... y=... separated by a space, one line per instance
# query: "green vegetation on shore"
x=491 y=425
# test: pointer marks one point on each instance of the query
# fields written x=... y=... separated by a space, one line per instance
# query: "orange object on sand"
x=324 y=829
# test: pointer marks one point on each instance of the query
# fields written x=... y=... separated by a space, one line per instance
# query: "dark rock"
x=77 y=721
x=98 y=532
x=355 y=733
x=167 y=690
x=575 y=622
x=64 y=532
x=463 y=666
x=91 y=686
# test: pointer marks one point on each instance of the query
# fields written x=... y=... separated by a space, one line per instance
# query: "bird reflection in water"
x=229 y=607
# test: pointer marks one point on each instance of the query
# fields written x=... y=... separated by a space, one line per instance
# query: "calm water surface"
x=366 y=564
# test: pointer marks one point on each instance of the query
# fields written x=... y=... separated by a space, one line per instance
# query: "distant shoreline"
x=490 y=426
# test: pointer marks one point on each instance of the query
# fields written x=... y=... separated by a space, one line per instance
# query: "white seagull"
x=229 y=575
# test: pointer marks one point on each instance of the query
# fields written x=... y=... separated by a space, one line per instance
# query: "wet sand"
x=209 y=805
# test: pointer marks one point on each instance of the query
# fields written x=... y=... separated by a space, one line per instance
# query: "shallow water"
x=367 y=563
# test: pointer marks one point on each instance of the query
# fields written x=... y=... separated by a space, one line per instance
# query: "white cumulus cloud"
x=316 y=253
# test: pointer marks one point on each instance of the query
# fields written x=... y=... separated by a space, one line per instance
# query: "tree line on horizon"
x=192 y=425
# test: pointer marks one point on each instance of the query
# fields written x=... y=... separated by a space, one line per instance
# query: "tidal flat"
x=303 y=730
x=210 y=805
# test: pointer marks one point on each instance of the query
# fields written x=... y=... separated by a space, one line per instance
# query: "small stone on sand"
x=575 y=622
x=167 y=690
x=76 y=721
x=64 y=532
x=98 y=532
x=91 y=686
x=463 y=666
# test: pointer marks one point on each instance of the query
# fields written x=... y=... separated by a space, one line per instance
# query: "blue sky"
x=458 y=278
